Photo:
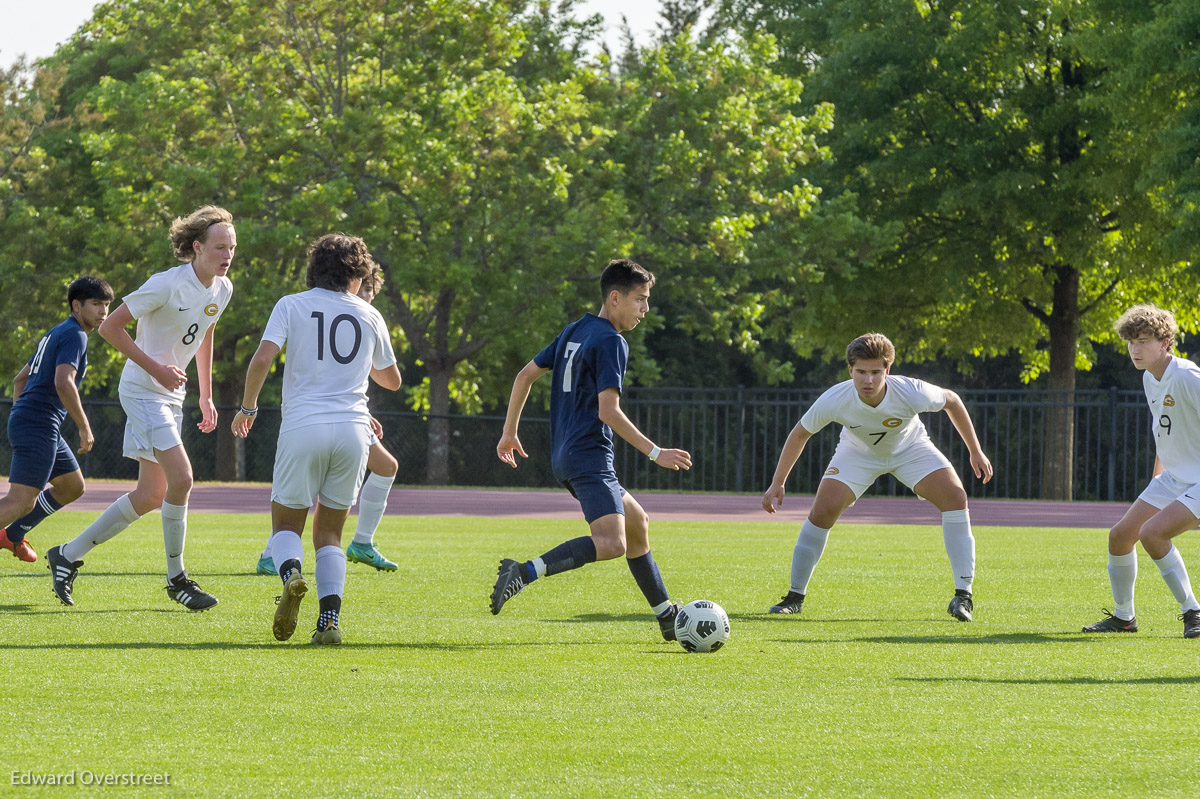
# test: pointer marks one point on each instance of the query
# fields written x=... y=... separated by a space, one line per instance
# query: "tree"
x=971 y=126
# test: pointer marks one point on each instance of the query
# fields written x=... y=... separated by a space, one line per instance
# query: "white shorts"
x=1165 y=489
x=859 y=470
x=324 y=462
x=152 y=422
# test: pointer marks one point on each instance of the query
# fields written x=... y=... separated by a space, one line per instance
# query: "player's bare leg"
x=945 y=491
x=832 y=499
x=643 y=568
x=1122 y=570
x=1156 y=534
x=372 y=504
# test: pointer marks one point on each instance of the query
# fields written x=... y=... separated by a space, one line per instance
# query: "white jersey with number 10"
x=332 y=341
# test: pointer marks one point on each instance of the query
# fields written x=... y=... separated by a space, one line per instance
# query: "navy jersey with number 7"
x=586 y=358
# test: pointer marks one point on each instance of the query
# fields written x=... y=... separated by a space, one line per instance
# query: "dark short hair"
x=624 y=276
x=870 y=347
x=335 y=259
x=88 y=288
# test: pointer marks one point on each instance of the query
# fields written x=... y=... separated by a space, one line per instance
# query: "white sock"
x=330 y=571
x=960 y=546
x=372 y=502
x=286 y=545
x=1122 y=574
x=115 y=518
x=1174 y=573
x=174 y=523
x=810 y=545
x=539 y=567
x=267 y=549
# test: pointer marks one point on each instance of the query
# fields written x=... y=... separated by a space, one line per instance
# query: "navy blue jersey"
x=65 y=343
x=587 y=357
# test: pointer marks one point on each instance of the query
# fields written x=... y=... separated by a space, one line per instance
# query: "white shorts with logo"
x=152 y=422
x=859 y=470
x=1165 y=489
x=325 y=462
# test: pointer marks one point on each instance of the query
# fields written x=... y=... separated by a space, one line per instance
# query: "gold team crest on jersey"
x=893 y=422
x=831 y=470
x=1168 y=401
x=211 y=309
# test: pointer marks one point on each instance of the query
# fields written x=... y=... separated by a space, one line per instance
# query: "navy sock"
x=331 y=606
x=649 y=579
x=287 y=567
x=569 y=555
x=44 y=506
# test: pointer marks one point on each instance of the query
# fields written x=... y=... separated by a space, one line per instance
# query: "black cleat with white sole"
x=791 y=603
x=510 y=581
x=184 y=590
x=63 y=572
x=1113 y=624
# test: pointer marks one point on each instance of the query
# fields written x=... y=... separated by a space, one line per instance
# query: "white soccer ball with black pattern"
x=702 y=626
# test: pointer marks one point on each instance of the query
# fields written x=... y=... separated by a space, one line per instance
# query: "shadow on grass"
x=87 y=575
x=787 y=618
x=997 y=638
x=588 y=618
x=296 y=645
x=57 y=610
x=1192 y=680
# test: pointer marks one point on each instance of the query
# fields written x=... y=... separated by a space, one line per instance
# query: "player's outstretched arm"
x=204 y=362
x=113 y=331
x=256 y=375
x=957 y=411
x=68 y=392
x=773 y=497
x=612 y=415
x=510 y=446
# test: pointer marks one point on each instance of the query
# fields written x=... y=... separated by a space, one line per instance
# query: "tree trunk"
x=1058 y=457
x=231 y=461
x=438 y=463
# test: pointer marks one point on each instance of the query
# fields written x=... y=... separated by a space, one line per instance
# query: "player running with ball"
x=588 y=361
x=881 y=434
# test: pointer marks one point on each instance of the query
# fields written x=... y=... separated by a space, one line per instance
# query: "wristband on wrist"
x=654 y=453
x=247 y=411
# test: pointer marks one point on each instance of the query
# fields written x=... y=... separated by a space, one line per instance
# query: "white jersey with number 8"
x=174 y=311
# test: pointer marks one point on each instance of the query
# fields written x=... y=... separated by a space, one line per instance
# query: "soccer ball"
x=702 y=626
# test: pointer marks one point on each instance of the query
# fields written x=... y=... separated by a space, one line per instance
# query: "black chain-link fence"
x=734 y=436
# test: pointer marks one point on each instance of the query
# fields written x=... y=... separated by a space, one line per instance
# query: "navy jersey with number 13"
x=586 y=358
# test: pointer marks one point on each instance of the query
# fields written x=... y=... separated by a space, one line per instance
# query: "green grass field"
x=875 y=691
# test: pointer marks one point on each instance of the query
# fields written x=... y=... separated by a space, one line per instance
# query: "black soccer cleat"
x=792 y=603
x=1111 y=624
x=666 y=622
x=510 y=581
x=184 y=590
x=63 y=573
x=1191 y=623
x=961 y=605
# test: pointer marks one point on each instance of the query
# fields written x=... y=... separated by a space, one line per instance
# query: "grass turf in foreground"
x=873 y=691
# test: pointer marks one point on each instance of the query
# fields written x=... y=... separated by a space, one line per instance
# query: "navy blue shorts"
x=39 y=452
x=599 y=494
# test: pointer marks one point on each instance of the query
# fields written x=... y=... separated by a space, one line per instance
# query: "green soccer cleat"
x=330 y=636
x=288 y=608
x=266 y=566
x=370 y=555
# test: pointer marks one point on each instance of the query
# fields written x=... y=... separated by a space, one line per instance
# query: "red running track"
x=255 y=498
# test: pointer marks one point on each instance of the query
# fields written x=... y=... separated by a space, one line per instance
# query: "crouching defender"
x=881 y=434
x=336 y=344
x=588 y=360
x=1170 y=505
